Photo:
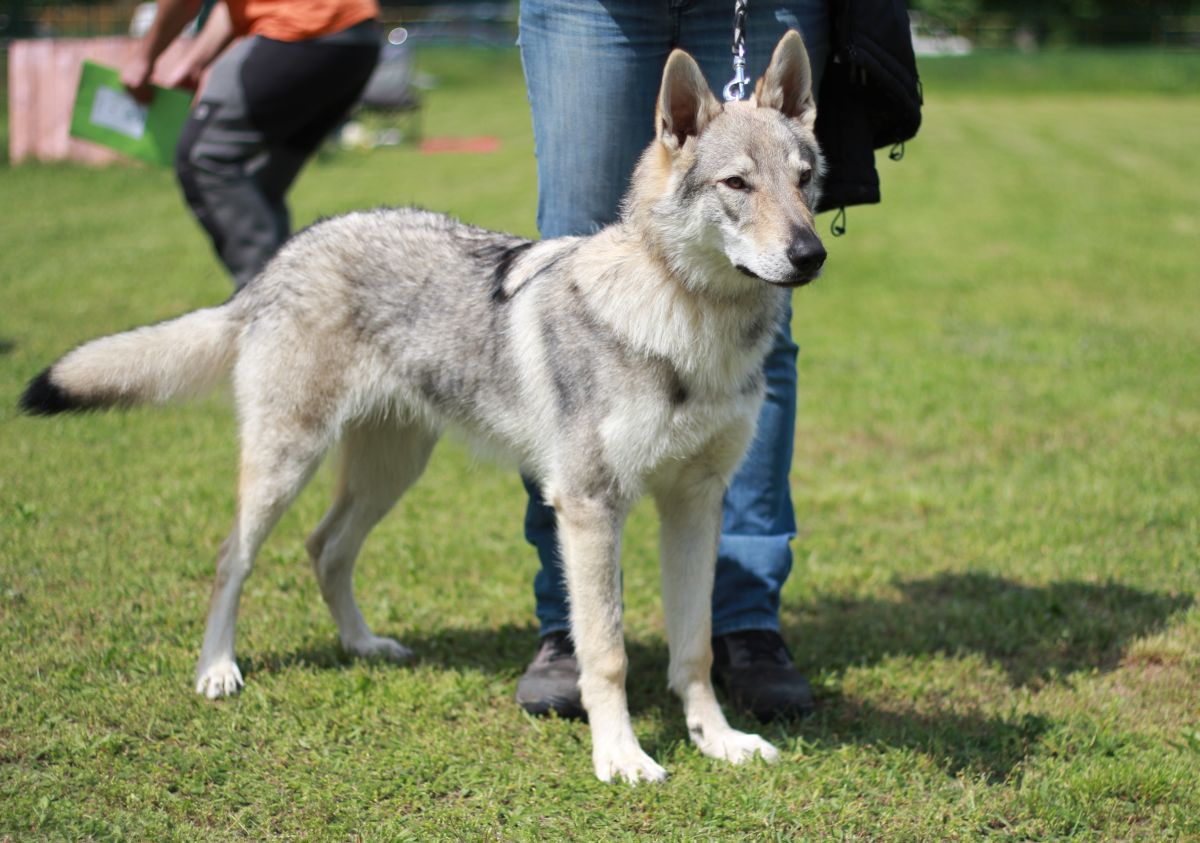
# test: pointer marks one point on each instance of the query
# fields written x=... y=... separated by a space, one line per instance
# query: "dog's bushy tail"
x=152 y=365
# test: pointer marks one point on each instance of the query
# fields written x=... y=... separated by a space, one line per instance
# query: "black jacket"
x=870 y=96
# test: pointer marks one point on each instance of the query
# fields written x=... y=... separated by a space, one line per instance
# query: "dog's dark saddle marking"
x=503 y=258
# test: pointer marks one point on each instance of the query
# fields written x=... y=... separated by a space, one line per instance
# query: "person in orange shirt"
x=269 y=102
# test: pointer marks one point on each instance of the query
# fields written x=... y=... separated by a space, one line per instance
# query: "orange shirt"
x=298 y=20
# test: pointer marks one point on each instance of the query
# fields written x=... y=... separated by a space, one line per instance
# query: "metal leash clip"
x=739 y=80
x=736 y=89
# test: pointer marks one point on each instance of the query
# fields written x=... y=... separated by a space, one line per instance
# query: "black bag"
x=870 y=96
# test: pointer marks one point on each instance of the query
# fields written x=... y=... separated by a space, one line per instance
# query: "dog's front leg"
x=690 y=511
x=590 y=530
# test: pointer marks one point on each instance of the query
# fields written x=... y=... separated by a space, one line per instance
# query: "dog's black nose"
x=806 y=253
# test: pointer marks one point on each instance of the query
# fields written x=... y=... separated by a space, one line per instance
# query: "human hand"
x=184 y=75
x=135 y=76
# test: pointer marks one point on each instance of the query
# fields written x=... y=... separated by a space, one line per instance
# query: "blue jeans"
x=593 y=69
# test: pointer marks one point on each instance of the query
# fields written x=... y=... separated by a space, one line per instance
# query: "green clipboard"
x=106 y=114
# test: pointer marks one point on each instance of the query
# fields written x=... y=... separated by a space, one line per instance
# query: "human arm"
x=216 y=35
x=170 y=20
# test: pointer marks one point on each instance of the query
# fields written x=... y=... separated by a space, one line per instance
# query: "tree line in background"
x=1034 y=23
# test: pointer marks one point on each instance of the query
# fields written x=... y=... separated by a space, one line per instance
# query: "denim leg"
x=592 y=79
x=592 y=82
x=549 y=586
x=592 y=68
x=754 y=557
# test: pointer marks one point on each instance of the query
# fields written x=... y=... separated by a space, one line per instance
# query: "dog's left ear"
x=787 y=84
x=685 y=103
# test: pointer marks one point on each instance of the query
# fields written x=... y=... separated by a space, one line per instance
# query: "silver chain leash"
x=736 y=89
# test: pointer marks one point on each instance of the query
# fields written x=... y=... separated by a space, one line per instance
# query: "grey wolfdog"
x=609 y=366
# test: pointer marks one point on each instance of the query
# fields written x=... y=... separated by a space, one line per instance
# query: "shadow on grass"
x=503 y=649
x=324 y=655
x=1037 y=633
x=6 y=345
x=974 y=743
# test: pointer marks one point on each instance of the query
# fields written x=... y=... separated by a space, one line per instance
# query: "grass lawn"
x=997 y=475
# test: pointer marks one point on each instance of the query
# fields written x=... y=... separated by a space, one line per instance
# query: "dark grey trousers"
x=267 y=107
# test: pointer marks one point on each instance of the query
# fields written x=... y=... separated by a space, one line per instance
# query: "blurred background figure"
x=268 y=103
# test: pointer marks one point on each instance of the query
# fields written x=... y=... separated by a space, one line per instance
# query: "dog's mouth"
x=797 y=280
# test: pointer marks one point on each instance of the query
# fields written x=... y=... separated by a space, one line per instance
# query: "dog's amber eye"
x=735 y=182
x=805 y=177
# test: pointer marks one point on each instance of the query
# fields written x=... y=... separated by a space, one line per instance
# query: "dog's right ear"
x=685 y=103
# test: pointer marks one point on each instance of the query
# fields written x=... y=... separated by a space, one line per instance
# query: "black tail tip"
x=43 y=398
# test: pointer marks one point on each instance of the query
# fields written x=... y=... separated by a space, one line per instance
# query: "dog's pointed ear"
x=685 y=103
x=787 y=84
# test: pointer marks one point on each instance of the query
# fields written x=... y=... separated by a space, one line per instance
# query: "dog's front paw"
x=378 y=647
x=220 y=679
x=732 y=745
x=628 y=763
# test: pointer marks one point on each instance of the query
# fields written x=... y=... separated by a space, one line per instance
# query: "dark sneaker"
x=755 y=669
x=551 y=682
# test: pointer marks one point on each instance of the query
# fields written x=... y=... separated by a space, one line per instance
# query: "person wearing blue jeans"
x=593 y=68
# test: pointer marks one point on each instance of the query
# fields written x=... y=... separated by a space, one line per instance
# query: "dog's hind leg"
x=276 y=462
x=690 y=511
x=590 y=529
x=379 y=462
